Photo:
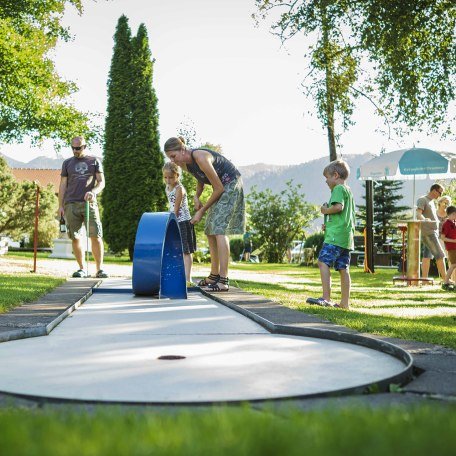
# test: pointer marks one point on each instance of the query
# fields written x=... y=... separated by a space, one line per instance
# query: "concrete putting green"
x=120 y=348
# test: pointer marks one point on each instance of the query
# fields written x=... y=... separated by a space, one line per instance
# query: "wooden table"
x=412 y=253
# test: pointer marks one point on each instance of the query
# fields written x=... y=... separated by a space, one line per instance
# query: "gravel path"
x=56 y=267
x=64 y=268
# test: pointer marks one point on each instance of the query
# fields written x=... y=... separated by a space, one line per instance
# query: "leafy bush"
x=202 y=256
x=47 y=231
x=315 y=240
x=236 y=247
x=278 y=219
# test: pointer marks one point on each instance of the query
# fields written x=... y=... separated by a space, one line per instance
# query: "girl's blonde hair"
x=172 y=168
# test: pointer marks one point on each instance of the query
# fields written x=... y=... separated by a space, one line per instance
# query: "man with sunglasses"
x=432 y=248
x=81 y=180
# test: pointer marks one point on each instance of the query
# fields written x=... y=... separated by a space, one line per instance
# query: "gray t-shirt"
x=81 y=174
x=427 y=205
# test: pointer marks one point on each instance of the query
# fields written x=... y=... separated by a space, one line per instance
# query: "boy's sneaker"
x=80 y=273
x=323 y=302
x=319 y=302
x=448 y=287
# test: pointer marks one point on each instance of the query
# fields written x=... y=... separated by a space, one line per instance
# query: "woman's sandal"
x=204 y=282
x=216 y=288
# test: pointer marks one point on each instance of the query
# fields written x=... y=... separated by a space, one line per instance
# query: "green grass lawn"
x=19 y=288
x=426 y=313
x=231 y=431
x=40 y=255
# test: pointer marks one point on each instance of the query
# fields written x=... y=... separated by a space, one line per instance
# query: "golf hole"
x=171 y=357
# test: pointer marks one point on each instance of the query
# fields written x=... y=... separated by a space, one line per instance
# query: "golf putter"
x=87 y=236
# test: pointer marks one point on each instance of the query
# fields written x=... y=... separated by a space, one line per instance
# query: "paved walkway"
x=110 y=349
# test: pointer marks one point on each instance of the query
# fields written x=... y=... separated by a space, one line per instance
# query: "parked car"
x=297 y=252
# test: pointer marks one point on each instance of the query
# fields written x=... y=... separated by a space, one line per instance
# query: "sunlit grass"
x=426 y=313
x=21 y=254
x=20 y=288
x=222 y=431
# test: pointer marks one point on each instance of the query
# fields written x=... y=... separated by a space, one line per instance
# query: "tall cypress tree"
x=133 y=160
x=148 y=195
x=117 y=144
x=386 y=197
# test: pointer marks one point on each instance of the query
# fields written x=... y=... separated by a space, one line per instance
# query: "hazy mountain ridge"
x=250 y=170
x=310 y=176
x=275 y=177
x=13 y=163
x=40 y=162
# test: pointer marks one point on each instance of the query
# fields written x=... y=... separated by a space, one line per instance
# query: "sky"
x=214 y=69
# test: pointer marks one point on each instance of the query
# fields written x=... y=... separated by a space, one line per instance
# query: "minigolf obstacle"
x=158 y=261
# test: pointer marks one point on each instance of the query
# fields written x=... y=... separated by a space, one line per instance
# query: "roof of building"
x=41 y=176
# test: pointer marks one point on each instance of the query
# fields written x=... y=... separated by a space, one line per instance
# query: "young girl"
x=177 y=198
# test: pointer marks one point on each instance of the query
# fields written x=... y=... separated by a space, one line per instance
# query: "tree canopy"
x=400 y=55
x=387 y=196
x=33 y=97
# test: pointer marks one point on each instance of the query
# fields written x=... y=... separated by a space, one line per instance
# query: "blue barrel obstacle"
x=158 y=261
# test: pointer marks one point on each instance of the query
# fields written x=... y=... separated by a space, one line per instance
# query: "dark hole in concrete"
x=171 y=357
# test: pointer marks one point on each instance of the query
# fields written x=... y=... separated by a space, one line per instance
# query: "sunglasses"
x=77 y=148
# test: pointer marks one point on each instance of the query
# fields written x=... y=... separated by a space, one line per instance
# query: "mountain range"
x=37 y=163
x=275 y=177
x=310 y=176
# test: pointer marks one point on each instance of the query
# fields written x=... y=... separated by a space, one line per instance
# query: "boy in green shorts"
x=339 y=228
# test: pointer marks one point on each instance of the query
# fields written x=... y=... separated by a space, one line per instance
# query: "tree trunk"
x=330 y=112
x=330 y=129
x=131 y=251
x=329 y=89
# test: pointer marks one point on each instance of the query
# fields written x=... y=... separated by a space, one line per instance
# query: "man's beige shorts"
x=452 y=256
x=75 y=219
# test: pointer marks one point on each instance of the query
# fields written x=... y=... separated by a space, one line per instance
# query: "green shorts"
x=227 y=215
x=75 y=220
